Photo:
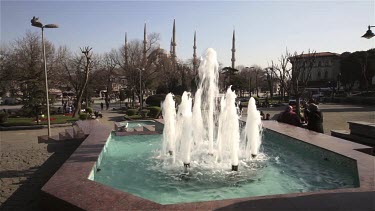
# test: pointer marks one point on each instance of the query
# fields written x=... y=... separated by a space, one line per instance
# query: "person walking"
x=107 y=104
x=101 y=105
x=315 y=119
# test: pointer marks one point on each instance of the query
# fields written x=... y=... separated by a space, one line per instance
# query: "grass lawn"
x=27 y=121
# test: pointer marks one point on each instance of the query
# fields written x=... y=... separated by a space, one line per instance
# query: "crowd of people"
x=66 y=108
x=311 y=119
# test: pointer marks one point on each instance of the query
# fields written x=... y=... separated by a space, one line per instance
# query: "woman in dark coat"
x=315 y=119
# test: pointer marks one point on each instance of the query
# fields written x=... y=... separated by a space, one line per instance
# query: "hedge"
x=155 y=100
x=3 y=117
x=83 y=116
x=89 y=110
x=144 y=112
x=131 y=112
x=154 y=111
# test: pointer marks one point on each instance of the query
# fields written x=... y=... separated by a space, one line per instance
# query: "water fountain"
x=210 y=127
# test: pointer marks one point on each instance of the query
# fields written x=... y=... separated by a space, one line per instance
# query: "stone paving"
x=26 y=165
x=335 y=116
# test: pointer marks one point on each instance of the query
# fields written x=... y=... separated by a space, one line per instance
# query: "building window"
x=319 y=75
x=326 y=74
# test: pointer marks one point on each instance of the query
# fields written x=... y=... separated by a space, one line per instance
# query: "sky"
x=264 y=29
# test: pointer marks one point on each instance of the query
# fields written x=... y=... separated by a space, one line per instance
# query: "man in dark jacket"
x=315 y=118
x=289 y=117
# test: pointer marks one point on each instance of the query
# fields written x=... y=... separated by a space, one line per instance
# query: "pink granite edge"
x=71 y=183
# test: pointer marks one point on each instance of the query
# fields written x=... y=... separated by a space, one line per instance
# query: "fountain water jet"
x=169 y=132
x=191 y=133
x=253 y=129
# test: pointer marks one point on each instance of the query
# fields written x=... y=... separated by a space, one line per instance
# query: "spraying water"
x=229 y=131
x=207 y=134
x=197 y=119
x=208 y=75
x=169 y=132
x=184 y=122
x=253 y=129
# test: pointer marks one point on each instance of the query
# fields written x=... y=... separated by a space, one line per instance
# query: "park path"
x=26 y=165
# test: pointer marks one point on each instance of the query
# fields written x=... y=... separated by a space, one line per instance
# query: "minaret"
x=174 y=55
x=195 y=53
x=144 y=46
x=233 y=49
x=170 y=47
x=126 y=50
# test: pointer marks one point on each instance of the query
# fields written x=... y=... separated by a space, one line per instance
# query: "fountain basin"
x=133 y=164
x=71 y=187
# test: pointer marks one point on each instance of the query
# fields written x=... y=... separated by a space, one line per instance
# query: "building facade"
x=325 y=72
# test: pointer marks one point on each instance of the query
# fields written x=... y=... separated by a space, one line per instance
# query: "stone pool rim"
x=70 y=187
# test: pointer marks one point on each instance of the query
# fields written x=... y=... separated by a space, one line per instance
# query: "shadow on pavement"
x=28 y=195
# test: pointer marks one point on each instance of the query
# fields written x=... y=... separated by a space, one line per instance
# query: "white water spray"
x=253 y=129
x=229 y=132
x=208 y=75
x=206 y=135
x=169 y=132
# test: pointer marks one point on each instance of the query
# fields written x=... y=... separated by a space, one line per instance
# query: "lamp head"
x=369 y=34
x=51 y=26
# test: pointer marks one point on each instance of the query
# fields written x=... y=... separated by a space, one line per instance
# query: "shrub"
x=144 y=112
x=177 y=99
x=155 y=100
x=83 y=116
x=89 y=110
x=3 y=117
x=154 y=111
x=131 y=112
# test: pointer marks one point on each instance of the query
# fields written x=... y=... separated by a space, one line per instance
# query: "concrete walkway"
x=26 y=165
x=335 y=116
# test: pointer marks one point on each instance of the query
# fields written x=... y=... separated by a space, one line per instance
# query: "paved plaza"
x=26 y=165
x=335 y=116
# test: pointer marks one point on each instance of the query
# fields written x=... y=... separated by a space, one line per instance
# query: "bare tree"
x=86 y=69
x=76 y=70
x=302 y=65
x=282 y=71
x=136 y=63
x=269 y=78
x=258 y=75
x=109 y=64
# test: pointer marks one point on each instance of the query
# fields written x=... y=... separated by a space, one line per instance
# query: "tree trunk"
x=87 y=71
x=77 y=106
x=298 y=107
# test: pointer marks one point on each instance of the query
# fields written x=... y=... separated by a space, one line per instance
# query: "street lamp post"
x=369 y=34
x=338 y=82
x=140 y=87
x=36 y=23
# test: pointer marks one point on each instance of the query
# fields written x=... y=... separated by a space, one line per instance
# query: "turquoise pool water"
x=131 y=164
